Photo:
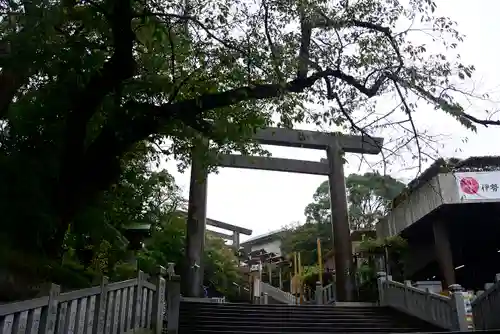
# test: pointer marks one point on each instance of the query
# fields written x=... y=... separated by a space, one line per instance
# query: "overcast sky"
x=263 y=201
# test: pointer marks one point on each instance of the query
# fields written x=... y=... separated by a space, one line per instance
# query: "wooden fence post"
x=138 y=300
x=100 y=313
x=159 y=300
x=173 y=300
x=49 y=319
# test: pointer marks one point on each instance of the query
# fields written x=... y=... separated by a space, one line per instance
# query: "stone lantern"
x=136 y=234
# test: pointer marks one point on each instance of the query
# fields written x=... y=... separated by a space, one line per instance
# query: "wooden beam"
x=318 y=140
x=222 y=225
x=274 y=164
x=220 y=235
x=229 y=227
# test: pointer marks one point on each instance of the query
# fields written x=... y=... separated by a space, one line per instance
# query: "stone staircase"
x=205 y=318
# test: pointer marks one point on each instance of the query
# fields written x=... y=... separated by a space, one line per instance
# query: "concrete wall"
x=269 y=246
x=442 y=189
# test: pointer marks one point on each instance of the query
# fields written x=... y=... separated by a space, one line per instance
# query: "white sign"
x=478 y=185
x=255 y=267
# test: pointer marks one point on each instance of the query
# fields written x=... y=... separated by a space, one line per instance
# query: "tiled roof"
x=263 y=236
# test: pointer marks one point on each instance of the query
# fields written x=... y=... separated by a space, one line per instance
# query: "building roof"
x=471 y=164
x=270 y=236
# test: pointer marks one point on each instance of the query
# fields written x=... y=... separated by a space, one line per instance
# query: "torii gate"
x=334 y=144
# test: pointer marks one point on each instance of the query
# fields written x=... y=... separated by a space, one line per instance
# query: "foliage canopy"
x=83 y=83
x=369 y=198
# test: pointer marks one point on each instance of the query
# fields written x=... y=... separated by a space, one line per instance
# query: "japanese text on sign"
x=478 y=185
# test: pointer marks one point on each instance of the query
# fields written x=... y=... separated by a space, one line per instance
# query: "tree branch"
x=190 y=111
x=197 y=22
x=306 y=26
x=305 y=42
x=272 y=47
x=85 y=102
x=264 y=91
x=10 y=83
x=453 y=109
x=12 y=79
x=325 y=22
x=413 y=127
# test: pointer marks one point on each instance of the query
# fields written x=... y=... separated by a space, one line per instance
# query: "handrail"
x=445 y=312
x=214 y=300
x=278 y=294
x=325 y=294
x=486 y=307
x=328 y=292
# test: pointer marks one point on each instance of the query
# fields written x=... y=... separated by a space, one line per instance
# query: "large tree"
x=93 y=243
x=369 y=198
x=82 y=81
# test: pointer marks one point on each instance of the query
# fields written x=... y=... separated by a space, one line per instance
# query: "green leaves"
x=303 y=239
x=167 y=244
x=222 y=68
x=368 y=198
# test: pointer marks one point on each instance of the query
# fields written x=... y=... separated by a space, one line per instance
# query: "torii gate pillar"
x=344 y=269
x=195 y=229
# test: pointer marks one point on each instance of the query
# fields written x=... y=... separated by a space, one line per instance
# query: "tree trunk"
x=54 y=246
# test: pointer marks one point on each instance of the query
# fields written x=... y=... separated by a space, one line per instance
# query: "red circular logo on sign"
x=469 y=185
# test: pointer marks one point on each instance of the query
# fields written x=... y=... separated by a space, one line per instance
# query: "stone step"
x=263 y=331
x=287 y=329
x=279 y=308
x=218 y=319
x=253 y=316
x=267 y=323
x=204 y=318
x=284 y=313
x=203 y=331
x=355 y=308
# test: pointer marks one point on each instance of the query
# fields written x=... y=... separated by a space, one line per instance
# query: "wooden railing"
x=129 y=306
x=486 y=307
x=445 y=312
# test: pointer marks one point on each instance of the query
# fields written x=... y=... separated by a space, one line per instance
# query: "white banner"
x=478 y=185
